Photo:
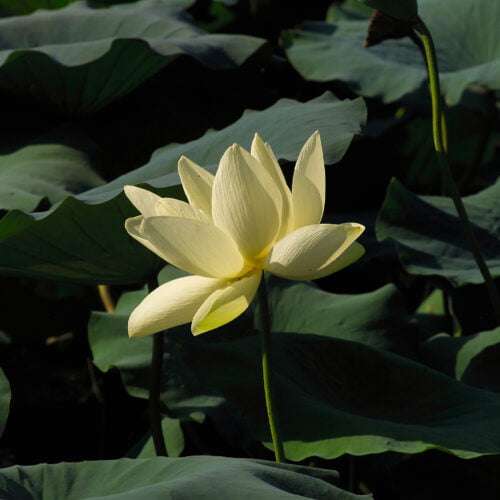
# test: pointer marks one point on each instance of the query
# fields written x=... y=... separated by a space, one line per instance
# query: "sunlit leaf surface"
x=347 y=396
x=217 y=477
x=81 y=58
x=430 y=239
x=467 y=44
x=83 y=238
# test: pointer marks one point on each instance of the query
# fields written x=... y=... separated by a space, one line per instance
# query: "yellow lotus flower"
x=238 y=223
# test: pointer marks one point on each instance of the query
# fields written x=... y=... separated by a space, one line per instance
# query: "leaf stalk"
x=439 y=137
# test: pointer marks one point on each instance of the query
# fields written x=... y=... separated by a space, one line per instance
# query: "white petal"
x=226 y=304
x=194 y=246
x=312 y=252
x=142 y=199
x=308 y=186
x=172 y=304
x=263 y=153
x=197 y=183
x=246 y=202
x=135 y=227
x=177 y=208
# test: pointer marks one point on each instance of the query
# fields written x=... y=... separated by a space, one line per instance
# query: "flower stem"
x=106 y=299
x=267 y=371
x=155 y=387
x=440 y=147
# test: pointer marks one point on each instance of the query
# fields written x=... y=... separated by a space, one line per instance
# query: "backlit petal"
x=312 y=252
x=262 y=151
x=226 y=304
x=177 y=208
x=308 y=186
x=172 y=304
x=135 y=227
x=197 y=183
x=246 y=202
x=194 y=246
x=142 y=199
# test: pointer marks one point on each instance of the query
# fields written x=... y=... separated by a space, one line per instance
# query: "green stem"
x=440 y=147
x=155 y=388
x=267 y=370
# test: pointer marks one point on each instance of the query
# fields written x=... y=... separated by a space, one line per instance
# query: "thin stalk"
x=155 y=388
x=440 y=147
x=267 y=370
x=106 y=299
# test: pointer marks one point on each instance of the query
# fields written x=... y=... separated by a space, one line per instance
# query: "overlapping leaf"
x=38 y=171
x=472 y=359
x=430 y=239
x=375 y=319
x=83 y=239
x=82 y=58
x=466 y=37
x=334 y=395
x=215 y=477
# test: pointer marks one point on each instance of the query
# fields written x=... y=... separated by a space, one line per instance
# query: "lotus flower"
x=237 y=224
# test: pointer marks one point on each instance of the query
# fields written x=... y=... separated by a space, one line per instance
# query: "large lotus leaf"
x=472 y=359
x=333 y=396
x=337 y=122
x=466 y=37
x=477 y=360
x=430 y=239
x=83 y=239
x=4 y=400
x=47 y=170
x=191 y=477
x=375 y=318
x=82 y=58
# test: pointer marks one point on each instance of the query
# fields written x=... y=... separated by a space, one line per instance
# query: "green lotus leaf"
x=440 y=248
x=191 y=477
x=82 y=239
x=375 y=318
x=81 y=58
x=44 y=169
x=477 y=360
x=472 y=359
x=334 y=396
x=466 y=37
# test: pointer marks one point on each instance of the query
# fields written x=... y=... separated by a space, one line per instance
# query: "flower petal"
x=135 y=227
x=142 y=199
x=172 y=304
x=315 y=251
x=197 y=183
x=264 y=154
x=226 y=304
x=246 y=202
x=194 y=246
x=177 y=208
x=308 y=186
